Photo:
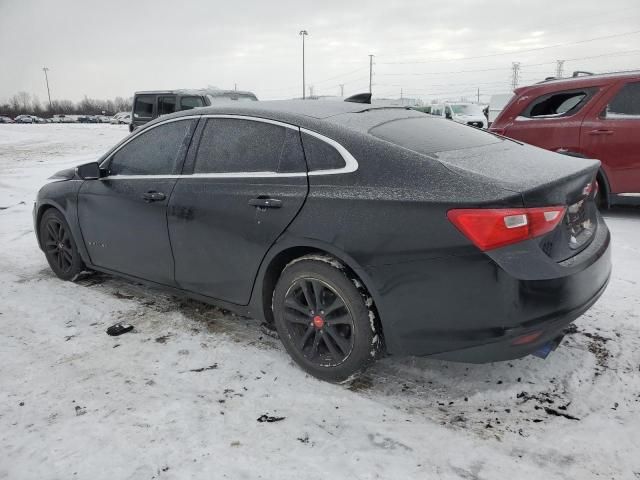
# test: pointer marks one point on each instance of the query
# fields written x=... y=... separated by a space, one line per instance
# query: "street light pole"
x=46 y=78
x=303 y=33
x=370 y=72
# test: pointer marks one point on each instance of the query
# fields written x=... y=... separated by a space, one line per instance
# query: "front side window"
x=166 y=105
x=157 y=151
x=626 y=103
x=238 y=145
x=143 y=107
x=187 y=103
x=558 y=104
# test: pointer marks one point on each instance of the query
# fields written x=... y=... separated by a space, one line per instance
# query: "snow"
x=181 y=395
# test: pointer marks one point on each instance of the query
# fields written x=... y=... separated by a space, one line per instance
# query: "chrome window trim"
x=351 y=164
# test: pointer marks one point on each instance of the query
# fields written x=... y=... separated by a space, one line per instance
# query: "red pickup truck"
x=591 y=116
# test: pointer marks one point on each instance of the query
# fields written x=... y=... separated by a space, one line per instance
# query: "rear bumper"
x=472 y=308
x=550 y=329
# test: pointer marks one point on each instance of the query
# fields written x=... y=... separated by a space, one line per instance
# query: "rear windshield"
x=430 y=135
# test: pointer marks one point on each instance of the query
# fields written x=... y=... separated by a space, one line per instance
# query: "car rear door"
x=248 y=182
x=552 y=121
x=611 y=133
x=123 y=216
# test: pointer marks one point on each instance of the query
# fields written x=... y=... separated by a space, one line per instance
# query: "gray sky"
x=112 y=48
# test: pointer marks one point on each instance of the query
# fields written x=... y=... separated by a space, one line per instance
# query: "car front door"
x=123 y=216
x=610 y=133
x=248 y=183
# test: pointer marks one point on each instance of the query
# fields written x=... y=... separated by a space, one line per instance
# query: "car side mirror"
x=88 y=171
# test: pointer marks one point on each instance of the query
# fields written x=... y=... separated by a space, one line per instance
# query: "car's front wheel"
x=59 y=246
x=325 y=319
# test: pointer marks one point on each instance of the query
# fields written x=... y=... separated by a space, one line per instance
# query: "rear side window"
x=430 y=135
x=166 y=105
x=626 y=103
x=236 y=146
x=320 y=155
x=157 y=151
x=187 y=103
x=558 y=104
x=143 y=107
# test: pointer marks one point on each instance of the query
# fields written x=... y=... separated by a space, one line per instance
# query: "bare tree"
x=25 y=101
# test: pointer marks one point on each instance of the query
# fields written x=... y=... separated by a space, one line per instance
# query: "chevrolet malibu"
x=354 y=230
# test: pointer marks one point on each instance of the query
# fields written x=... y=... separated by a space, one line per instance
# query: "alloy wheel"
x=57 y=244
x=319 y=322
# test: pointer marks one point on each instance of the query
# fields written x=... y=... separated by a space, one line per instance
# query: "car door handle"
x=601 y=132
x=265 y=202
x=153 y=196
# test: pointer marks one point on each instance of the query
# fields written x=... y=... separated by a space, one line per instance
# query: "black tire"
x=340 y=340
x=600 y=198
x=59 y=246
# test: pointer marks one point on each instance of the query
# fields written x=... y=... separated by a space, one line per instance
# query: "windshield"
x=466 y=109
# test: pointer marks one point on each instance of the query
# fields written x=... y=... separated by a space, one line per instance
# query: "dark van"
x=152 y=104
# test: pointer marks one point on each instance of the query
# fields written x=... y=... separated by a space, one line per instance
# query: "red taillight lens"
x=490 y=228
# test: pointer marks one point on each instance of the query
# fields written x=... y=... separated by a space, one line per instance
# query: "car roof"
x=194 y=91
x=582 y=81
x=316 y=109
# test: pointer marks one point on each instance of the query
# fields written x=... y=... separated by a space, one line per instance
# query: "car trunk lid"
x=543 y=179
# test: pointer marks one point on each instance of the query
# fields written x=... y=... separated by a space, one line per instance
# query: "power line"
x=515 y=52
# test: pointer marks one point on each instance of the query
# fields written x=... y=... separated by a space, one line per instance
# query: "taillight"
x=490 y=228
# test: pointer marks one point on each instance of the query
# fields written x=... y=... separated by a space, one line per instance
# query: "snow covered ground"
x=180 y=396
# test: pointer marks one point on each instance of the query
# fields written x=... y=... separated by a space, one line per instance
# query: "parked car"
x=88 y=119
x=592 y=116
x=497 y=103
x=24 y=119
x=465 y=113
x=150 y=105
x=424 y=109
x=6 y=119
x=121 y=118
x=355 y=230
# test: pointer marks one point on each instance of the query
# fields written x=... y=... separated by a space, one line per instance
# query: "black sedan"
x=354 y=230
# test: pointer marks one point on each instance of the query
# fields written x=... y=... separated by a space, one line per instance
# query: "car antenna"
x=359 y=98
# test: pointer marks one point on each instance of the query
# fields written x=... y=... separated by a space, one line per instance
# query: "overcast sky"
x=112 y=48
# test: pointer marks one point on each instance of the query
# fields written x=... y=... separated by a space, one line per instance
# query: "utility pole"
x=559 y=68
x=370 y=72
x=514 y=77
x=46 y=78
x=341 y=89
x=303 y=33
x=235 y=87
x=478 y=94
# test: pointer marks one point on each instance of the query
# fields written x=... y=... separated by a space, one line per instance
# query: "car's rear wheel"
x=59 y=246
x=325 y=319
